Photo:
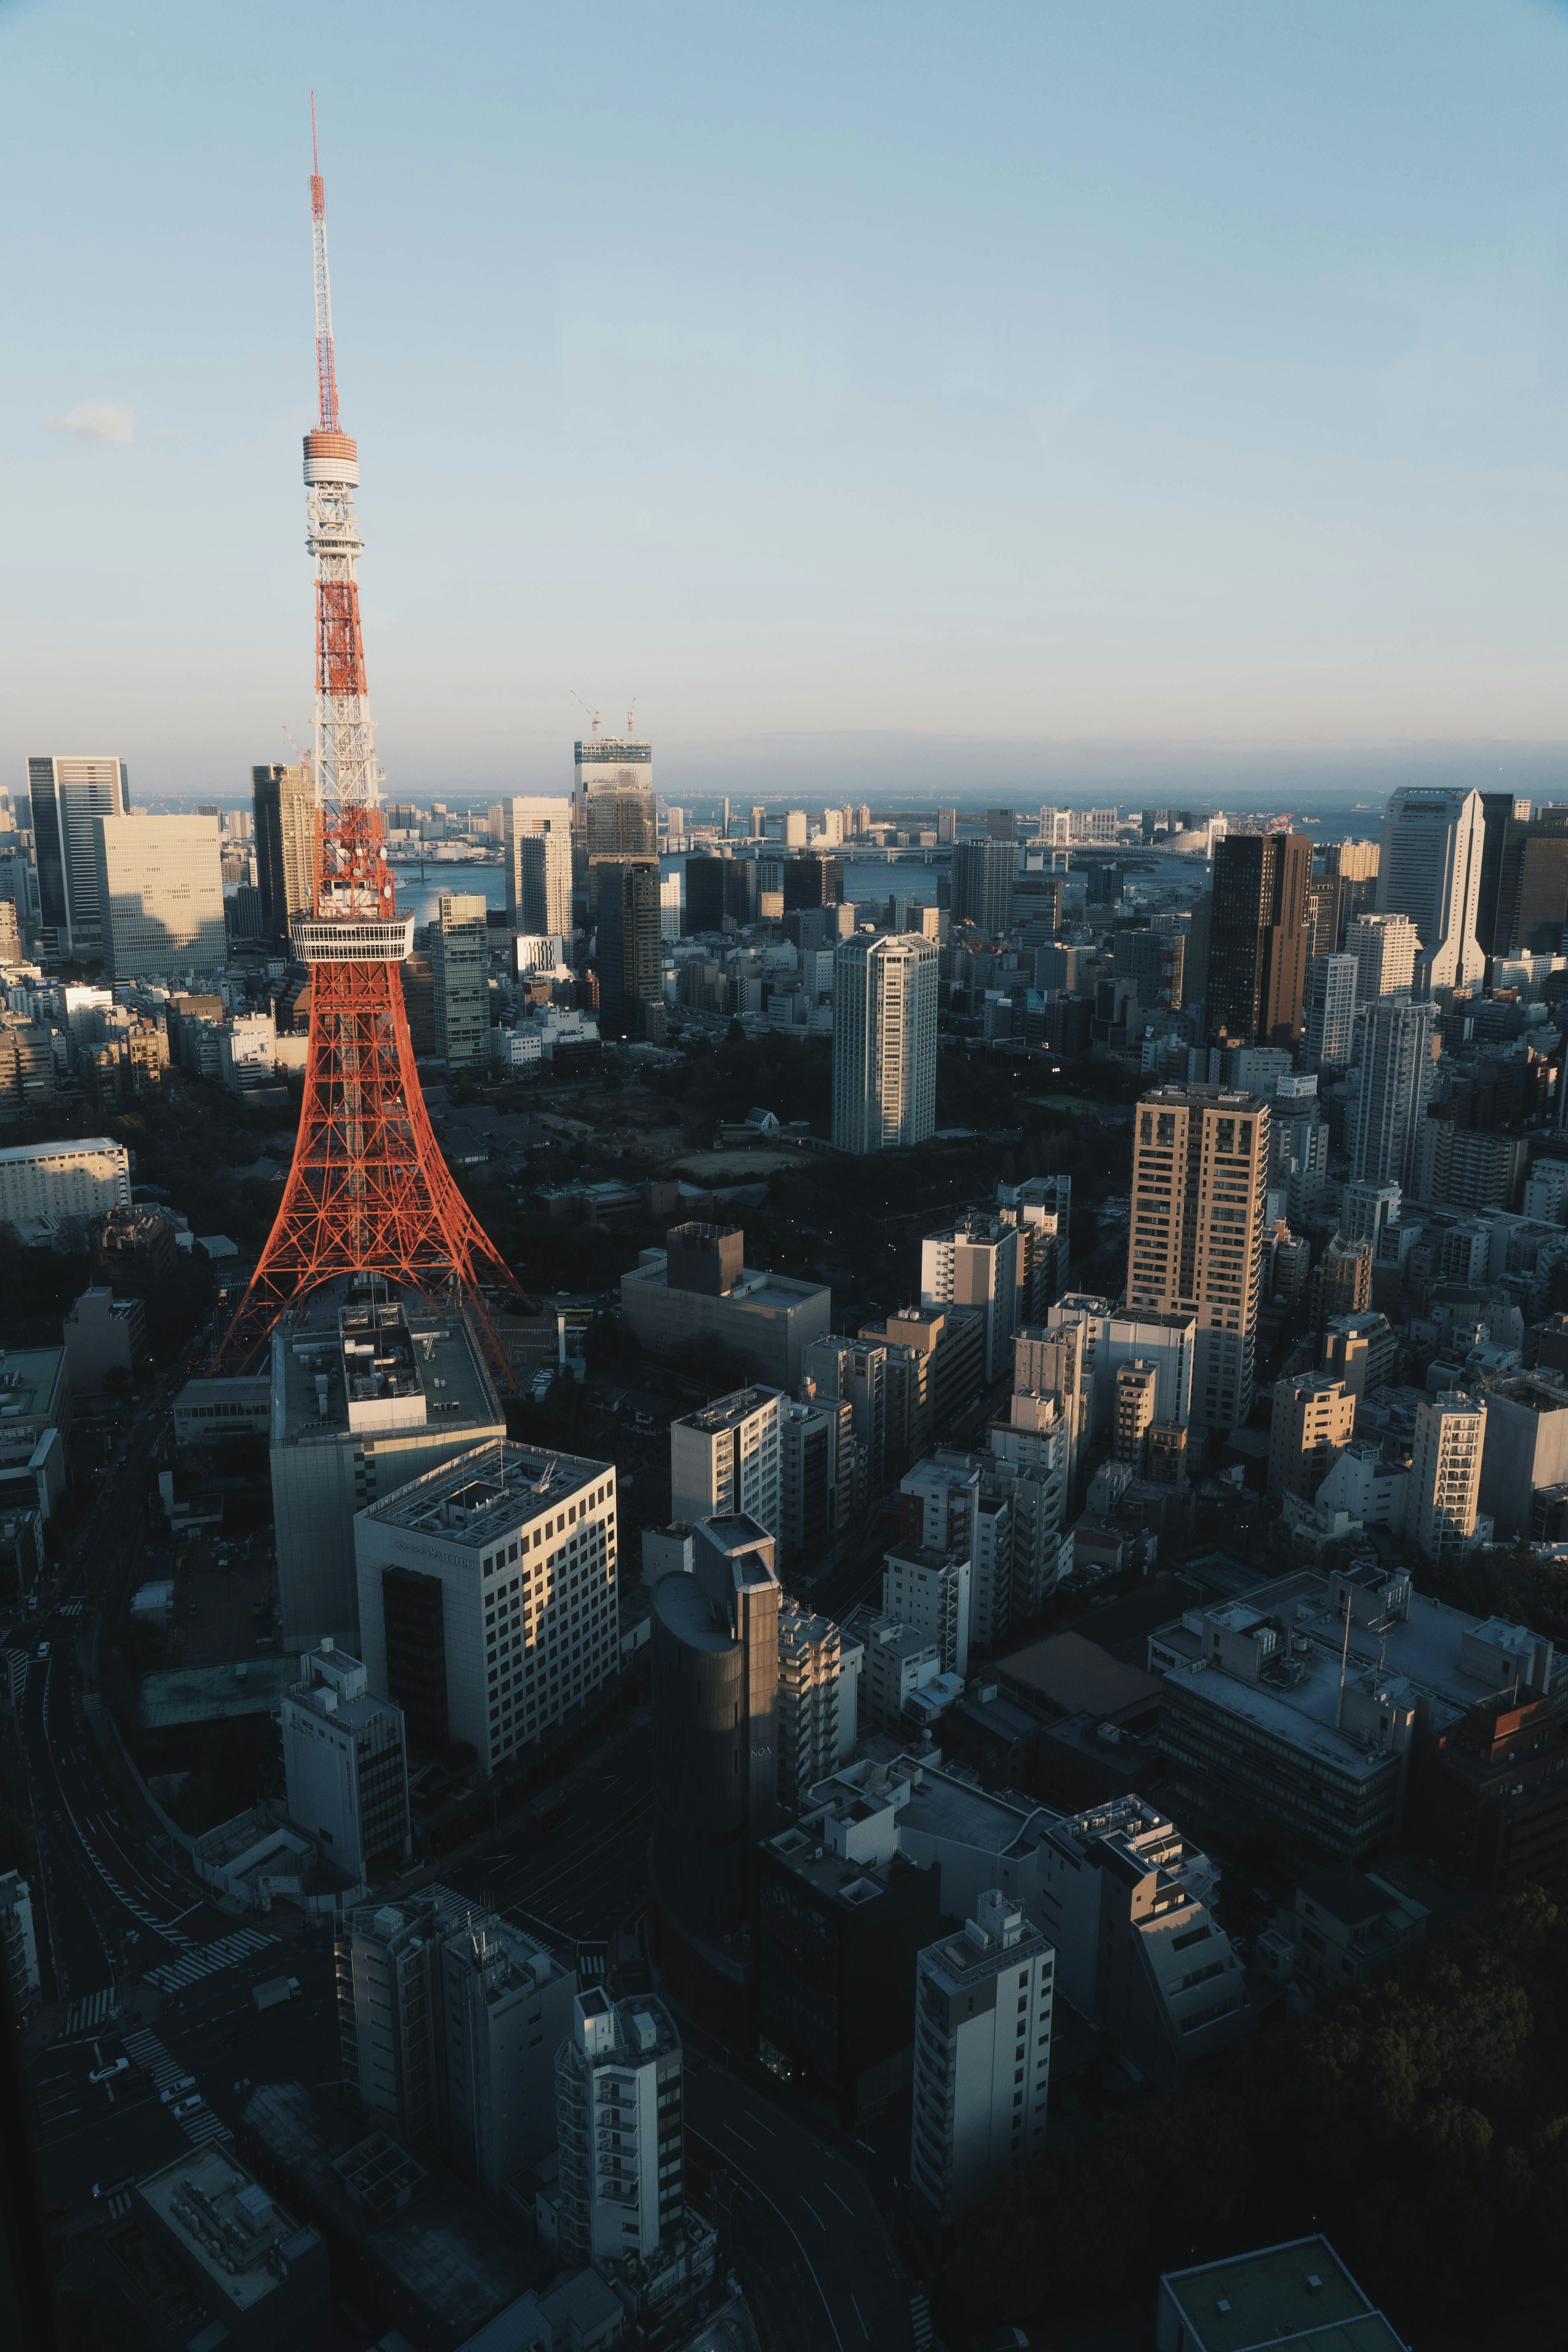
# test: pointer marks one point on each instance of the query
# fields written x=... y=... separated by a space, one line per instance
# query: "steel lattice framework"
x=369 y=1190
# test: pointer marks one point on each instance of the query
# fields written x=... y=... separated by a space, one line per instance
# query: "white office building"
x=726 y=1458
x=344 y=1766
x=159 y=888
x=488 y=1595
x=1429 y=867
x=68 y=795
x=982 y=2056
x=884 y=1041
x=1384 y=948
x=84 y=1177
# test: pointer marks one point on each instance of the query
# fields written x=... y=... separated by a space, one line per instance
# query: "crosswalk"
x=92 y=2008
x=16 y=1664
x=70 y=1609
x=591 y=1962
x=204 y=1960
x=119 y=2205
x=146 y=2050
x=920 y=2316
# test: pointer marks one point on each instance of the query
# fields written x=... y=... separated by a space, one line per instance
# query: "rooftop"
x=214 y=1694
x=727 y=1413
x=375 y=1365
x=757 y=1288
x=1283 y=2294
x=1071 y=1673
x=29 y=1381
x=489 y=1491
x=224 y=2224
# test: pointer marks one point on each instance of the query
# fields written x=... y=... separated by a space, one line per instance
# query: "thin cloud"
x=97 y=420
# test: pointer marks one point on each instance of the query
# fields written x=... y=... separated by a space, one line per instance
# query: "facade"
x=983 y=2056
x=68 y=795
x=898 y=1661
x=506 y=2007
x=1258 y=939
x=1313 y=1422
x=884 y=1041
x=103 y=1334
x=460 y=976
x=284 y=801
x=726 y=1458
x=1328 y=1011
x=926 y=1590
x=818 y=1688
x=344 y=1766
x=811 y=1498
x=620 y=2133
x=488 y=1596
x=87 y=1177
x=613 y=803
x=1445 y=1472
x=1200 y=1169
x=1430 y=869
x=1361 y=1351
x=1384 y=948
x=630 y=945
x=536 y=839
x=19 y=1945
x=1395 y=1089
x=976 y=1265
x=364 y=1398
x=1136 y=1383
x=1525 y=1447
x=695 y=1298
x=159 y=888
x=983 y=880
x=1530 y=907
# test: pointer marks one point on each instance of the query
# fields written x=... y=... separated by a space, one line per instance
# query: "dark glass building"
x=1531 y=905
x=982 y=874
x=812 y=881
x=1258 y=939
x=630 y=946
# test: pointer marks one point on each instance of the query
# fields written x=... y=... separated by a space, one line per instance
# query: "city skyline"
x=942 y=452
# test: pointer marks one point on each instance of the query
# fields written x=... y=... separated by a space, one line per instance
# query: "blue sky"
x=1097 y=395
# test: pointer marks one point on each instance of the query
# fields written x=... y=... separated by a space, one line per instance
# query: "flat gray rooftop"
x=426 y=1359
x=485 y=1492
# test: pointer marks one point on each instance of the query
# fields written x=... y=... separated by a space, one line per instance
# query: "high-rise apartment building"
x=1385 y=948
x=1200 y=1169
x=819 y=1675
x=1323 y=915
x=975 y=1264
x=1137 y=1383
x=816 y=1475
x=927 y=1590
x=982 y=879
x=1397 y=1076
x=1258 y=939
x=946 y=824
x=68 y=795
x=159 y=893
x=284 y=802
x=630 y=945
x=884 y=1041
x=536 y=840
x=1342 y=1280
x=1430 y=869
x=1328 y=1011
x=1445 y=1472
x=620 y=2132
x=982 y=2056
x=614 y=800
x=1001 y=824
x=726 y=1458
x=344 y=1766
x=1313 y=1422
x=460 y=975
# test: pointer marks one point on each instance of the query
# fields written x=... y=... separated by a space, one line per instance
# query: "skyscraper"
x=460 y=974
x=1328 y=1011
x=813 y=882
x=1258 y=939
x=630 y=945
x=1385 y=948
x=536 y=837
x=1354 y=865
x=68 y=795
x=614 y=798
x=284 y=800
x=1530 y=907
x=1430 y=869
x=884 y=1041
x=1499 y=811
x=983 y=2056
x=982 y=877
x=1395 y=1087
x=159 y=893
x=1200 y=1173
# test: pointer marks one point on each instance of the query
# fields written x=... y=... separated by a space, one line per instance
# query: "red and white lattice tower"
x=369 y=1190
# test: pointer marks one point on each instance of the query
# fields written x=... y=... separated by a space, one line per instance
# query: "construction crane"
x=303 y=758
x=591 y=716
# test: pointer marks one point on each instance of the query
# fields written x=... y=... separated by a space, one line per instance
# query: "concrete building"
x=898 y=1661
x=19 y=1945
x=1445 y=1472
x=926 y=1590
x=1525 y=1446
x=103 y=1334
x=1313 y=1422
x=284 y=801
x=695 y=1300
x=811 y=1498
x=506 y=2006
x=1200 y=1166
x=1347 y=1925
x=975 y=1264
x=345 y=1766
x=726 y=1458
x=390 y=2010
x=983 y=873
x=622 y=2141
x=207 y=2256
x=160 y=886
x=35 y=1415
x=1361 y=1351
x=1295 y=2294
x=1136 y=1384
x=488 y=1593
x=884 y=1041
x=364 y=1398
x=1328 y=1011
x=86 y=1177
x=1430 y=869
x=1341 y=1281
x=840 y=1371
x=1396 y=1079
x=536 y=838
x=818 y=1696
x=983 y=2056
x=1384 y=948
x=68 y=795
x=460 y=977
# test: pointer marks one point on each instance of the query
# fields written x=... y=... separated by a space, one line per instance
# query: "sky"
x=968 y=401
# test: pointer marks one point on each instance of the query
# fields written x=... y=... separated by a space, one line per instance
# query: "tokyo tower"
x=369 y=1190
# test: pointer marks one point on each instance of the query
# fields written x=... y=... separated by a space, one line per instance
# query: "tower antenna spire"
x=326 y=364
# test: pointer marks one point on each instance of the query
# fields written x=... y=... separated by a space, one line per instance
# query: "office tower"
x=725 y=1458
x=88 y=1177
x=1385 y=948
x=674 y=823
x=1445 y=1472
x=1342 y=1283
x=159 y=896
x=975 y=1264
x=1001 y=824
x=946 y=824
x=1200 y=1170
x=615 y=803
x=705 y=894
x=1328 y=1011
x=697 y=1292
x=884 y=1042
x=630 y=946
x=983 y=878
x=1354 y=865
x=1430 y=869
x=1500 y=813
x=1154 y=961
x=460 y=975
x=819 y=1673
x=669 y=922
x=487 y=1595
x=344 y=1766
x=536 y=841
x=1313 y=1422
x=1323 y=915
x=795 y=829
x=505 y=2006
x=68 y=795
x=284 y=801
x=389 y=2009
x=813 y=881
x=1531 y=906
x=715 y=1748
x=1258 y=939
x=1397 y=1077
x=983 y=2056
x=620 y=2133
